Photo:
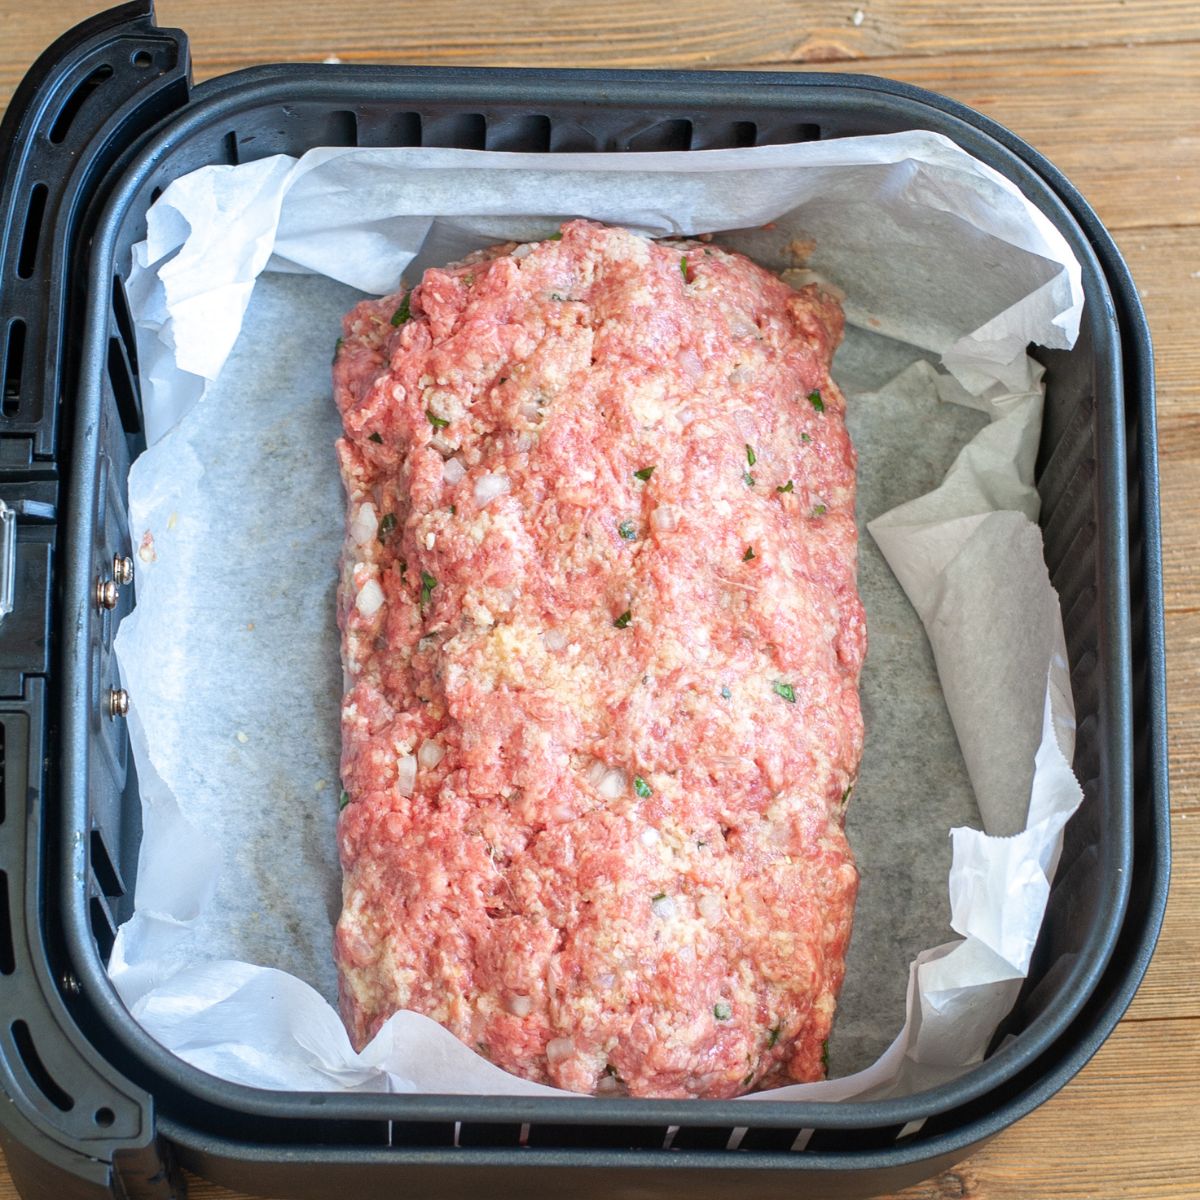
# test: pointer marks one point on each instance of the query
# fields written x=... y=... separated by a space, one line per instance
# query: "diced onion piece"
x=740 y=325
x=607 y=980
x=555 y=639
x=519 y=1006
x=370 y=598
x=665 y=517
x=559 y=1048
x=596 y=772
x=430 y=753
x=663 y=908
x=607 y=1083
x=690 y=361
x=488 y=487
x=365 y=525
x=710 y=907
x=406 y=774
x=522 y=250
x=614 y=784
x=453 y=471
x=649 y=836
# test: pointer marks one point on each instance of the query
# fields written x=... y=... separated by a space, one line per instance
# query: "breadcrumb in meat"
x=595 y=751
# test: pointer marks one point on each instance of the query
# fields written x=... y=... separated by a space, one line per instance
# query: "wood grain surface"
x=1110 y=91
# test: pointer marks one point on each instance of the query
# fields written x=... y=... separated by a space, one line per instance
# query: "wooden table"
x=1110 y=91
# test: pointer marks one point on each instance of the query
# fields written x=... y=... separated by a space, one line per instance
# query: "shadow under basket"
x=105 y=120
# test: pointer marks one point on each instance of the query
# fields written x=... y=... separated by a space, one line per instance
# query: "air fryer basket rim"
x=222 y=98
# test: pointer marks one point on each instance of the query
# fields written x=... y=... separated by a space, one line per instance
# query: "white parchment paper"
x=231 y=653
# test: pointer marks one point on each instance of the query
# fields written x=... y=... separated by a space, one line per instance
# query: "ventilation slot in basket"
x=422 y=1133
x=123 y=386
x=530 y=134
x=491 y=1134
x=588 y=1137
x=8 y=961
x=46 y=1082
x=404 y=129
x=666 y=135
x=34 y=214
x=462 y=131
x=724 y=135
x=107 y=877
x=701 y=1137
x=13 y=364
x=783 y=133
x=75 y=102
x=124 y=320
x=342 y=129
x=103 y=928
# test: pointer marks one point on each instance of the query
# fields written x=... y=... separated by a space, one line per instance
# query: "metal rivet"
x=107 y=593
x=123 y=569
x=70 y=984
x=118 y=702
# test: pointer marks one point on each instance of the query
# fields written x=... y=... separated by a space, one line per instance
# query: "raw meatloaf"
x=602 y=644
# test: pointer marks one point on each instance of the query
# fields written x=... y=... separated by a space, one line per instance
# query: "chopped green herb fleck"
x=502 y=379
x=818 y=510
x=428 y=583
x=786 y=691
x=749 y=554
x=556 y=296
x=623 y=619
x=403 y=313
x=683 y=268
x=787 y=487
x=453 y=509
x=725 y=693
x=747 y=479
x=722 y=1011
x=468 y=280
x=708 y=253
x=436 y=421
x=386 y=525
x=627 y=531
x=376 y=438
x=825 y=1055
x=846 y=793
x=658 y=896
x=772 y=1036
x=701 y=845
x=644 y=474
x=555 y=237
x=751 y=457
x=337 y=348
x=749 y=1078
x=805 y=438
x=814 y=398
x=343 y=801
x=641 y=787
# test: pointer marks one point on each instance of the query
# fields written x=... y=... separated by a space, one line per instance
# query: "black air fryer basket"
x=94 y=1108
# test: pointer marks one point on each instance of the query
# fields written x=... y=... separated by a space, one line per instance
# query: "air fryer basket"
x=103 y=121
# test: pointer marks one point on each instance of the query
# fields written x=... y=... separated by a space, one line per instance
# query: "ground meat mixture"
x=602 y=645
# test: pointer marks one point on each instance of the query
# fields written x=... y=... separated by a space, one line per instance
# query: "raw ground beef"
x=602 y=644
